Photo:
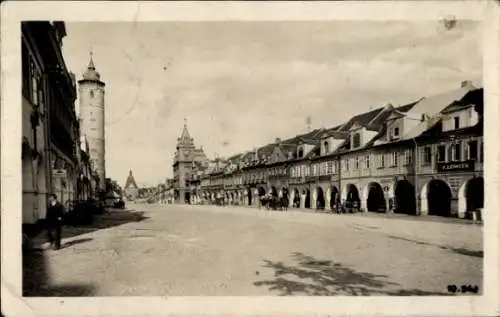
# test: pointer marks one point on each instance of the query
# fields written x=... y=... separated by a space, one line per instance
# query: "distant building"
x=131 y=189
x=187 y=160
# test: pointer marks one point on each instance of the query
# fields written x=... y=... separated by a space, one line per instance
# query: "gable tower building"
x=187 y=156
x=91 y=98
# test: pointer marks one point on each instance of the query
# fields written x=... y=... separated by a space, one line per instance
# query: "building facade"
x=187 y=166
x=422 y=158
x=51 y=129
x=91 y=92
x=35 y=157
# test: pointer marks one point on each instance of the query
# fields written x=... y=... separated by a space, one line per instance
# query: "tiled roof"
x=435 y=104
x=363 y=119
x=472 y=97
x=407 y=107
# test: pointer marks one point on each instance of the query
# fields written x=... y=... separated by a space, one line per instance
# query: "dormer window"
x=300 y=152
x=396 y=132
x=326 y=146
x=356 y=141
x=456 y=122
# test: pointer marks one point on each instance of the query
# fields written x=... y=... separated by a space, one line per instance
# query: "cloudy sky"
x=242 y=84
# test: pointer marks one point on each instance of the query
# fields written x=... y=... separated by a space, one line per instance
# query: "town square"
x=181 y=250
x=276 y=158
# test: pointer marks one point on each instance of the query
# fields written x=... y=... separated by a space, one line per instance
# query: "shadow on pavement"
x=36 y=273
x=462 y=251
x=36 y=279
x=73 y=242
x=326 y=278
x=112 y=218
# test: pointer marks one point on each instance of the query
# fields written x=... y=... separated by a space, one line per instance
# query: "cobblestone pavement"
x=209 y=250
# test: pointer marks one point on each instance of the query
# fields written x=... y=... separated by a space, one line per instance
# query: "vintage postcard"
x=250 y=158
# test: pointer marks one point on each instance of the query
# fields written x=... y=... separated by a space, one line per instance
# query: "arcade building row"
x=423 y=158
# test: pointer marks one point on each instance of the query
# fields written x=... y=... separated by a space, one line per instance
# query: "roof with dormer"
x=130 y=181
x=435 y=104
x=472 y=98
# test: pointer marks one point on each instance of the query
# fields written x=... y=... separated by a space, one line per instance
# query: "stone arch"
x=374 y=197
x=274 y=191
x=306 y=193
x=295 y=198
x=404 y=198
x=334 y=196
x=285 y=196
x=261 y=191
x=249 y=196
x=471 y=195
x=320 y=198
x=351 y=193
x=436 y=198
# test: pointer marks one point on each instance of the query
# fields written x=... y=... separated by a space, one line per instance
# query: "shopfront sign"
x=456 y=166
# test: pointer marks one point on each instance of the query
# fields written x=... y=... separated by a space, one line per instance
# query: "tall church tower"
x=91 y=97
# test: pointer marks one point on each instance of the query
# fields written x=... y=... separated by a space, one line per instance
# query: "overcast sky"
x=242 y=84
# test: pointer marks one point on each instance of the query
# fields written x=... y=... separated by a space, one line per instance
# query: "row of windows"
x=32 y=80
x=324 y=168
x=457 y=151
x=381 y=160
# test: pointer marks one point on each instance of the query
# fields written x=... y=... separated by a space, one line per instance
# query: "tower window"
x=91 y=94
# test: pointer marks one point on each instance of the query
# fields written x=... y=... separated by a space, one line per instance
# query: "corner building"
x=187 y=159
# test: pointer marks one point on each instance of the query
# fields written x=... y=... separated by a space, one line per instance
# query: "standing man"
x=55 y=213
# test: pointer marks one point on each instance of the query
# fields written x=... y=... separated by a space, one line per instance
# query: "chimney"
x=466 y=83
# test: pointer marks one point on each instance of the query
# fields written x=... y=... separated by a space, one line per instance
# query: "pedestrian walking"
x=54 y=220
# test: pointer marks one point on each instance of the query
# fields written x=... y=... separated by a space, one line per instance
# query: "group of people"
x=274 y=202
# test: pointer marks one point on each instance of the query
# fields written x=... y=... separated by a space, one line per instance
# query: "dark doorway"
x=376 y=199
x=439 y=198
x=187 y=197
x=352 y=194
x=307 y=203
x=249 y=196
x=405 y=202
x=262 y=191
x=286 y=199
x=296 y=198
x=274 y=192
x=474 y=194
x=334 y=196
x=320 y=200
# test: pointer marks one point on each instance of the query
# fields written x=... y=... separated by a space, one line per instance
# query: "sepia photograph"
x=278 y=158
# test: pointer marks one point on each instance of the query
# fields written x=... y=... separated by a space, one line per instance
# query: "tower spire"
x=91 y=62
x=185 y=139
